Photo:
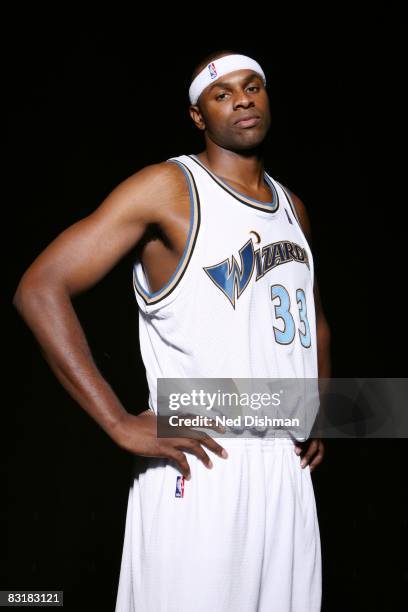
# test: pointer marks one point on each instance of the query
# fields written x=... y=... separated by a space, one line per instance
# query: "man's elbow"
x=20 y=293
x=24 y=292
x=30 y=290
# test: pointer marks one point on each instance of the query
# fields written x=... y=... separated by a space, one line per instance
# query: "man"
x=236 y=530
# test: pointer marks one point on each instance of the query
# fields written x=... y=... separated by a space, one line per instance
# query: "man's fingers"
x=181 y=461
x=203 y=438
x=311 y=450
x=316 y=450
x=201 y=454
x=317 y=459
x=210 y=443
x=194 y=446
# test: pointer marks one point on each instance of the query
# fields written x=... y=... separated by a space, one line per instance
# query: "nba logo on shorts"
x=180 y=486
x=213 y=70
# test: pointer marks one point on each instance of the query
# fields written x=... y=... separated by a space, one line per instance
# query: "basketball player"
x=209 y=526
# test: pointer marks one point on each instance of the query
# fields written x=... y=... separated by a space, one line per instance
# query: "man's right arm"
x=75 y=261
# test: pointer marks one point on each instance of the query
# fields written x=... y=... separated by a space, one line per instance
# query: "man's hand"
x=138 y=435
x=312 y=452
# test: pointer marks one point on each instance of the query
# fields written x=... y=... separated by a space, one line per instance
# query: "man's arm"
x=75 y=261
x=72 y=263
x=315 y=448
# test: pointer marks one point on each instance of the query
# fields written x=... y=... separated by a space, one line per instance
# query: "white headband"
x=218 y=68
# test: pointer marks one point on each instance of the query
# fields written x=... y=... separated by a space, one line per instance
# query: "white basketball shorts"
x=240 y=537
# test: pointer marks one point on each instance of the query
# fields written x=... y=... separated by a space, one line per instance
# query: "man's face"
x=233 y=97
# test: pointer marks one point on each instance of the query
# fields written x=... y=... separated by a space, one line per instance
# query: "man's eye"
x=224 y=94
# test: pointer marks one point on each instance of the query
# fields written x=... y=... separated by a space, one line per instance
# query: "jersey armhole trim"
x=157 y=296
x=294 y=211
x=295 y=214
x=290 y=201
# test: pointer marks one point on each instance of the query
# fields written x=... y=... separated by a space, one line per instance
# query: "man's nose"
x=242 y=99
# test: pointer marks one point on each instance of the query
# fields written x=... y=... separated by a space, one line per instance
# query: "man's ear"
x=197 y=117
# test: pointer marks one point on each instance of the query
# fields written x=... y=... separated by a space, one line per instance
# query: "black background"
x=92 y=99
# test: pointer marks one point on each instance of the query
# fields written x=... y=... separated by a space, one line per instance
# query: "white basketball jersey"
x=240 y=303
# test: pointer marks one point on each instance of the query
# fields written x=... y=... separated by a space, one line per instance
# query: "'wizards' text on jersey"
x=233 y=280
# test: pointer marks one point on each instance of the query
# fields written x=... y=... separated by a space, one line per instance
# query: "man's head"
x=224 y=92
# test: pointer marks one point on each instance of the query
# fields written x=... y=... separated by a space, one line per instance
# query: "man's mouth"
x=247 y=121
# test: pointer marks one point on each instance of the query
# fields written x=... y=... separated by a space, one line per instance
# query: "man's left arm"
x=312 y=450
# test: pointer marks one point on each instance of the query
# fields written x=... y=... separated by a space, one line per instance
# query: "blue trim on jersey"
x=159 y=291
x=271 y=204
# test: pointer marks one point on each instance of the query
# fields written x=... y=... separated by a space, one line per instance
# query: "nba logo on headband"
x=213 y=70
x=225 y=64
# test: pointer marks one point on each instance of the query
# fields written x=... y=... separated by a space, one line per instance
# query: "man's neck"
x=246 y=170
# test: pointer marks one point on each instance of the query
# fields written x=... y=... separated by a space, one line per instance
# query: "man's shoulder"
x=155 y=189
x=162 y=179
x=154 y=182
x=160 y=175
